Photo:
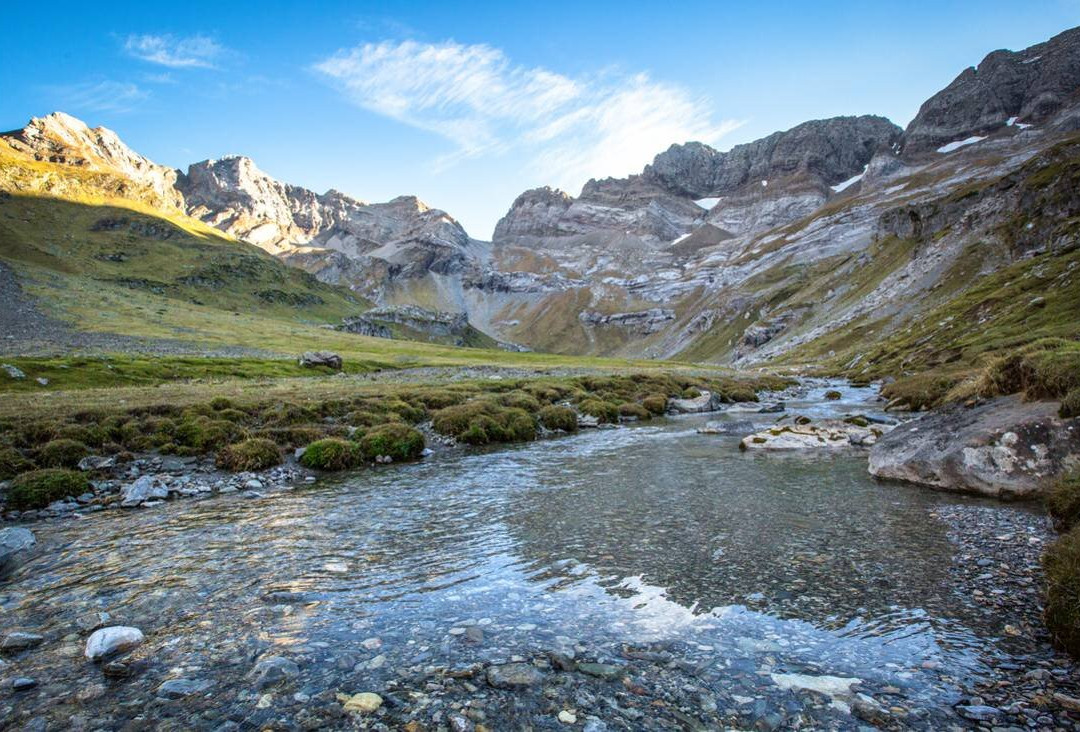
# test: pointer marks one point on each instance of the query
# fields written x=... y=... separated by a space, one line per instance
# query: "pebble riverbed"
x=646 y=577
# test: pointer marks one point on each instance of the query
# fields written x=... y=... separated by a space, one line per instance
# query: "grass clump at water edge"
x=39 y=488
x=256 y=453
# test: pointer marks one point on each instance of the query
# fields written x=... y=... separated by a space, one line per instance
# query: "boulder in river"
x=143 y=488
x=1005 y=447
x=110 y=641
x=16 y=546
x=707 y=402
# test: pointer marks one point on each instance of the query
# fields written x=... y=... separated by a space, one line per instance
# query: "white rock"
x=109 y=641
x=145 y=488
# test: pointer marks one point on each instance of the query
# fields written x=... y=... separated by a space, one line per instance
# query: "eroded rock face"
x=234 y=195
x=1006 y=448
x=1027 y=87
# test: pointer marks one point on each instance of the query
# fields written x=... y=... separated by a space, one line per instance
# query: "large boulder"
x=1004 y=447
x=707 y=402
x=312 y=359
x=142 y=489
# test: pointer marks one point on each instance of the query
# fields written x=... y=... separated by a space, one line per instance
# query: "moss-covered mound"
x=12 y=463
x=256 y=453
x=397 y=441
x=632 y=410
x=833 y=394
x=655 y=403
x=481 y=422
x=1062 y=612
x=332 y=453
x=1063 y=500
x=62 y=453
x=602 y=410
x=39 y=488
x=555 y=417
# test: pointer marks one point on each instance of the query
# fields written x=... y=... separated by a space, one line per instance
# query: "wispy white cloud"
x=176 y=53
x=100 y=96
x=473 y=95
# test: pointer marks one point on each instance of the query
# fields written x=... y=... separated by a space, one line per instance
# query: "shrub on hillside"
x=332 y=453
x=39 y=488
x=253 y=454
x=554 y=417
x=397 y=441
x=62 y=453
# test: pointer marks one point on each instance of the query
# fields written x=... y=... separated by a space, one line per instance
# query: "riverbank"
x=549 y=581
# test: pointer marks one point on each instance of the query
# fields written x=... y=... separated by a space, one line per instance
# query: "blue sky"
x=468 y=104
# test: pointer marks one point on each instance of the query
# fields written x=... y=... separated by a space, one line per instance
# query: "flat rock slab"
x=826 y=434
x=1005 y=448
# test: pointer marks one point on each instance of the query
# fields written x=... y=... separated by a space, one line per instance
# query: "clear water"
x=750 y=562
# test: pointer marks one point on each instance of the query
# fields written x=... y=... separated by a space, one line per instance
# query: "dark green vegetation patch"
x=39 y=488
x=253 y=454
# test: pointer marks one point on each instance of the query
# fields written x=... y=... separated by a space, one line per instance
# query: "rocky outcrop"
x=1007 y=88
x=619 y=207
x=61 y=138
x=233 y=195
x=642 y=322
x=830 y=150
x=430 y=322
x=317 y=359
x=536 y=212
x=1006 y=448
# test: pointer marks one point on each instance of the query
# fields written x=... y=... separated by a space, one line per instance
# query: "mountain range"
x=846 y=242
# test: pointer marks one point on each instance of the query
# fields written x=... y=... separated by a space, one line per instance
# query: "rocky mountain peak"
x=1007 y=88
x=61 y=138
x=826 y=151
x=536 y=212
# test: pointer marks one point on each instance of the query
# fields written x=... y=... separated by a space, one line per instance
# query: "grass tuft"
x=252 y=454
x=39 y=488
